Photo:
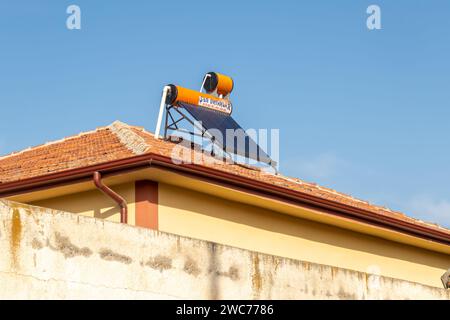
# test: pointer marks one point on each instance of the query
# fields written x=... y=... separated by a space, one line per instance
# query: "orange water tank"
x=179 y=94
x=216 y=81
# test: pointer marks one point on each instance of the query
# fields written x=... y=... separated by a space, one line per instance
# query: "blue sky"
x=363 y=112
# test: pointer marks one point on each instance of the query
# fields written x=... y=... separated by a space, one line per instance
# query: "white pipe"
x=204 y=80
x=162 y=106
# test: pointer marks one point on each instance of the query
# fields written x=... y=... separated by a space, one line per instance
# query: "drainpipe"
x=113 y=195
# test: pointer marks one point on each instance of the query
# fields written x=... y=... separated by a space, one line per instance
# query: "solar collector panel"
x=237 y=141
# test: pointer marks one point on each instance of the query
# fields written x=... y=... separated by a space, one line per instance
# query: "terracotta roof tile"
x=119 y=141
x=83 y=150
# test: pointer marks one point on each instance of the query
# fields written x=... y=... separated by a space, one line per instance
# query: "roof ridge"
x=132 y=141
x=142 y=129
x=49 y=143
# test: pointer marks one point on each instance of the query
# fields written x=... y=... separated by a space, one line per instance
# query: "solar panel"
x=232 y=137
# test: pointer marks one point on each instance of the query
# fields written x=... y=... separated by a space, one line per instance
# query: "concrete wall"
x=53 y=254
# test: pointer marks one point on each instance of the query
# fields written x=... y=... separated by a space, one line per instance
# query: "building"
x=224 y=203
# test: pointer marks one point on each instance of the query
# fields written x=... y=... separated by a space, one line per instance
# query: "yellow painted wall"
x=201 y=216
x=94 y=203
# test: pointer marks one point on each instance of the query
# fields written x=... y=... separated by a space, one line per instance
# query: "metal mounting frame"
x=173 y=125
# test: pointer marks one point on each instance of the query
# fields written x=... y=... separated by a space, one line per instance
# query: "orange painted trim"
x=146 y=195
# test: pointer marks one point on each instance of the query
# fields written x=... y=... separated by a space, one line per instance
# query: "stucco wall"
x=54 y=254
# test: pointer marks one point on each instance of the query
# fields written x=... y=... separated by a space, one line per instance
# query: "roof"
x=121 y=141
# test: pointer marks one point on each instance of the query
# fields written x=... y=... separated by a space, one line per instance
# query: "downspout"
x=113 y=195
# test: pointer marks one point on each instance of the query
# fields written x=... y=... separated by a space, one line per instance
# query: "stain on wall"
x=256 y=276
x=232 y=273
x=67 y=248
x=109 y=255
x=16 y=235
x=160 y=263
x=191 y=267
x=36 y=244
